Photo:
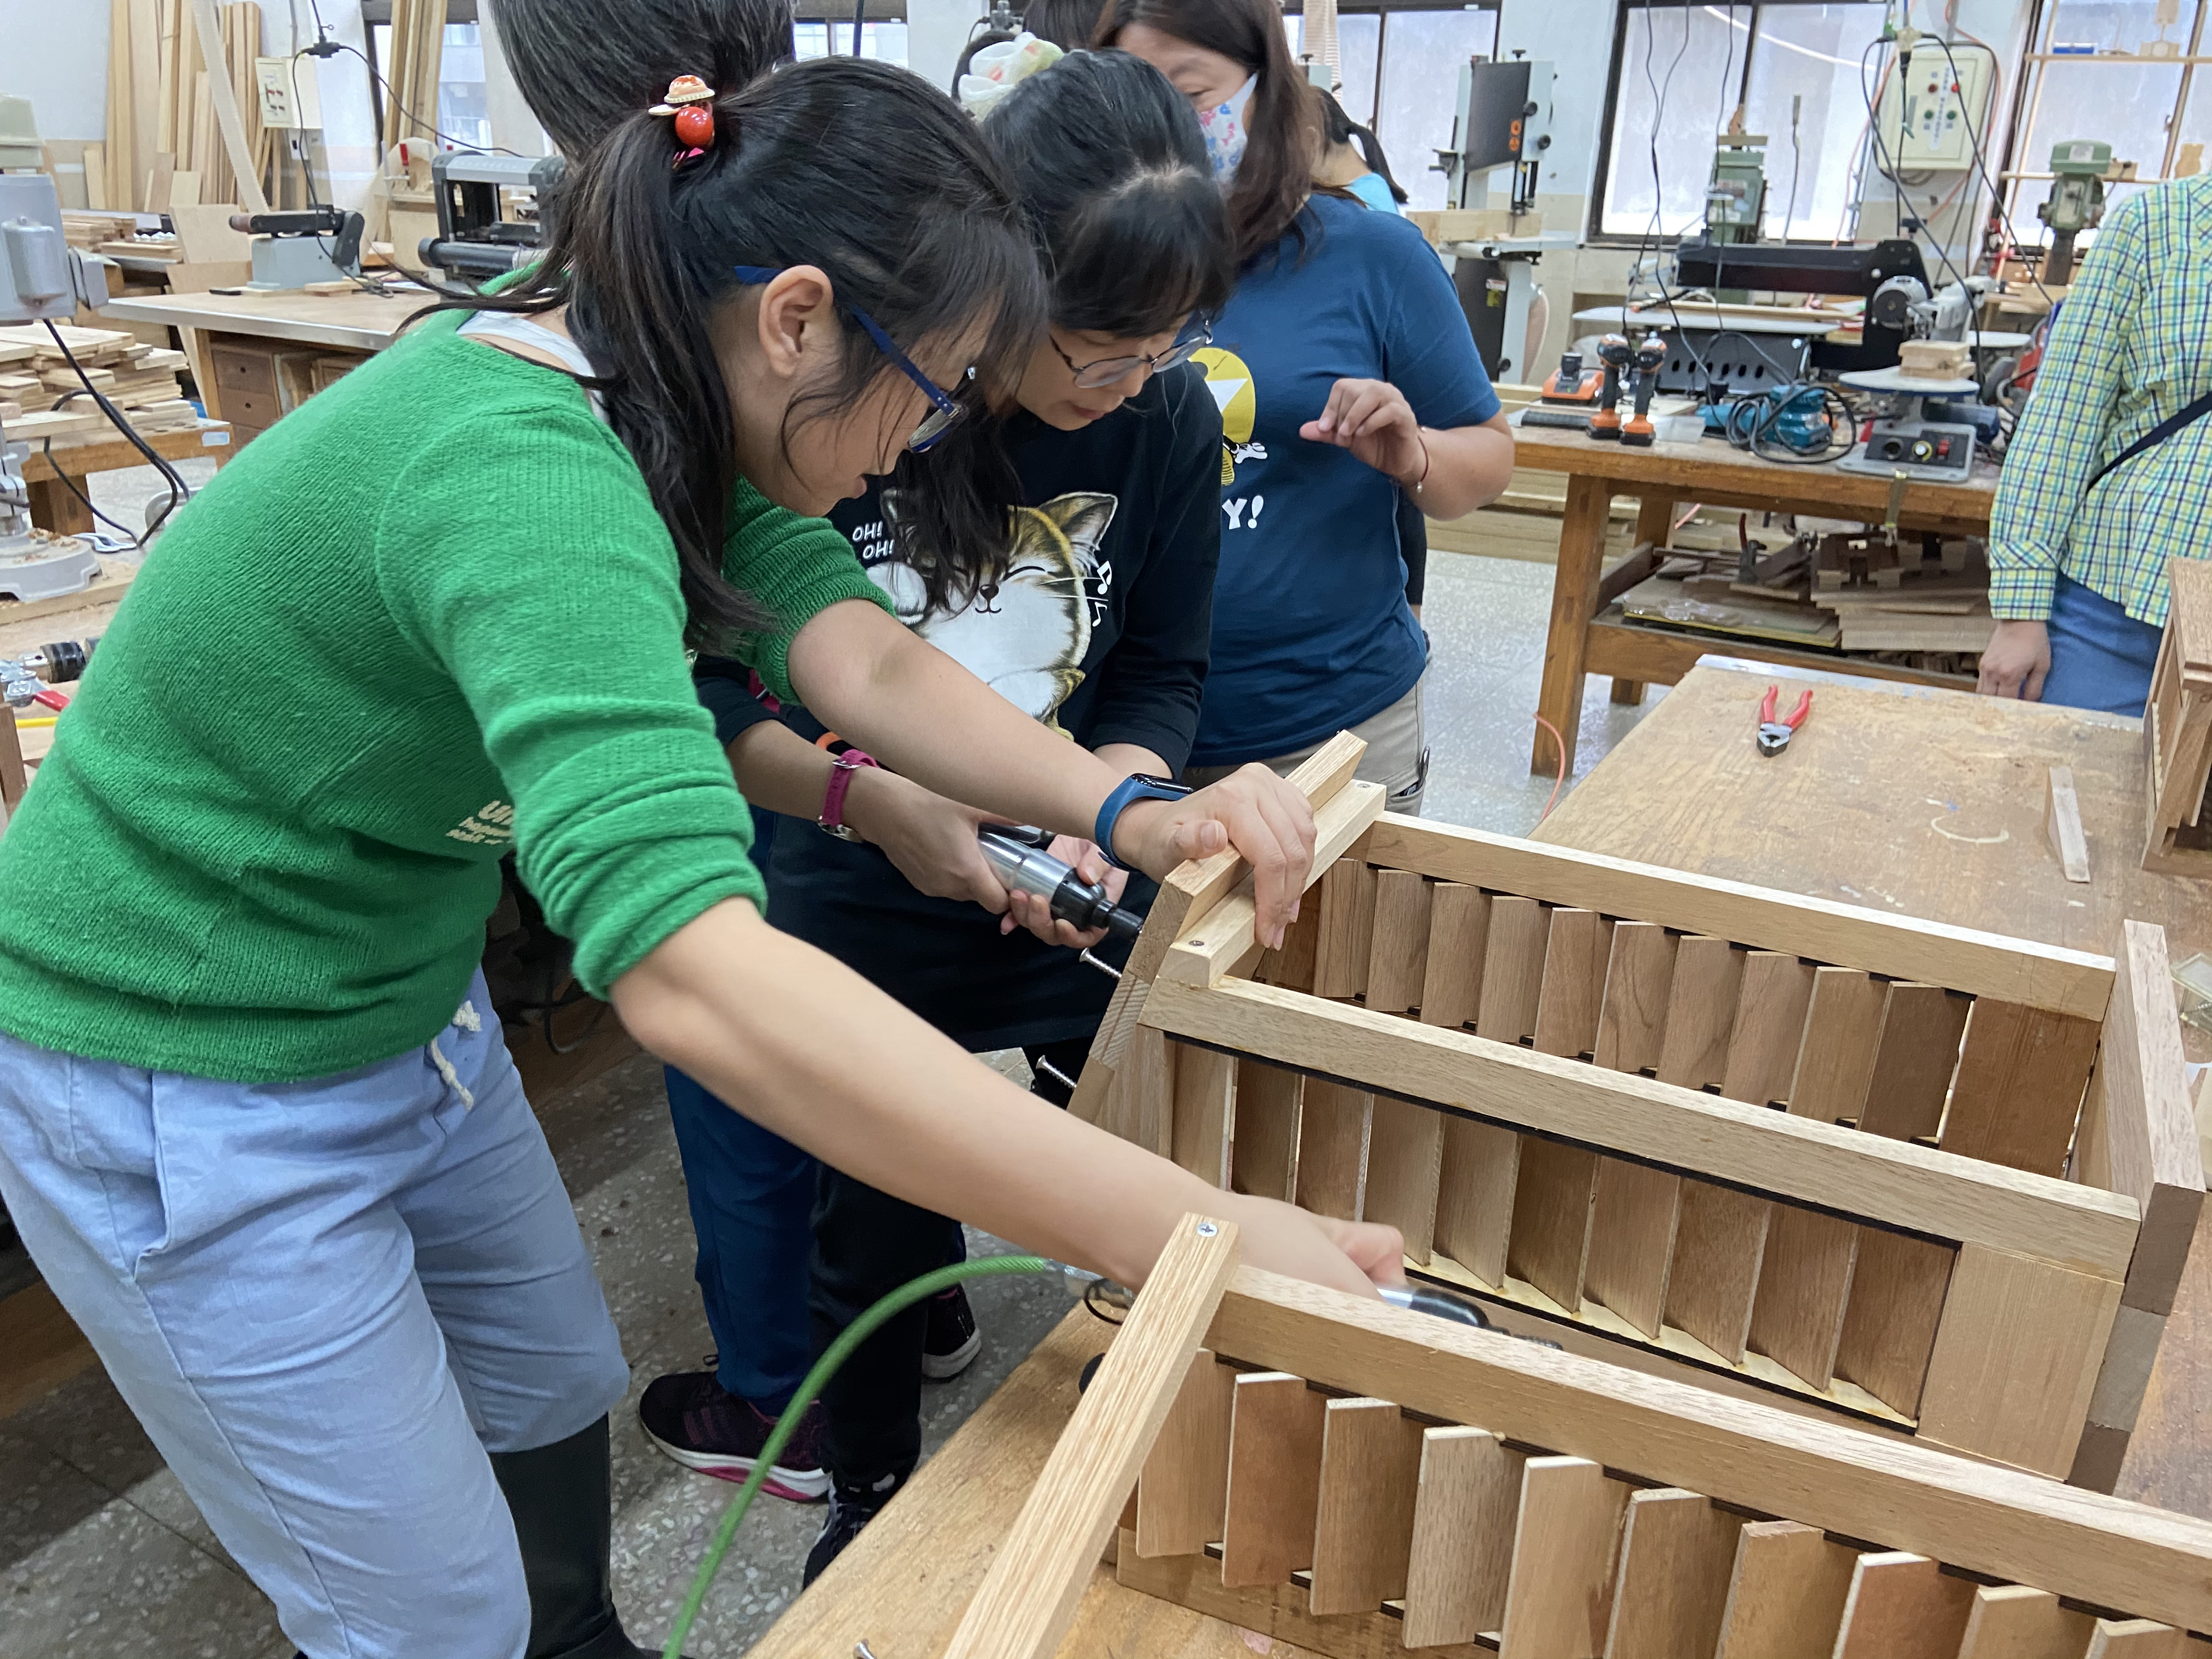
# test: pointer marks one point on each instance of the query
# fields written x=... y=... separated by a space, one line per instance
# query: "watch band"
x=841 y=768
x=1138 y=786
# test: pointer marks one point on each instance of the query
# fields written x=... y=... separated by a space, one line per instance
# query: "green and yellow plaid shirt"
x=2132 y=345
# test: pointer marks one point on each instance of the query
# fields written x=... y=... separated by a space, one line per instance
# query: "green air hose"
x=858 y=1331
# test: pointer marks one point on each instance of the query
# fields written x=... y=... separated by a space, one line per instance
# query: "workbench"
x=54 y=507
x=1849 y=811
x=1665 y=476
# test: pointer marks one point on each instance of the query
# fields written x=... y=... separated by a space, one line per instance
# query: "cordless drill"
x=1613 y=351
x=1650 y=356
x=1018 y=856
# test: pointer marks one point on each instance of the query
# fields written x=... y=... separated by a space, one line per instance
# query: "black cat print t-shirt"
x=1099 y=629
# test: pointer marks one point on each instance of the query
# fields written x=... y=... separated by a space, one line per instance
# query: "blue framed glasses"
x=947 y=412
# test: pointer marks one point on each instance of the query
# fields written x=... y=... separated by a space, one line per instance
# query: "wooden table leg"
x=54 y=507
x=194 y=343
x=1655 y=522
x=1574 y=602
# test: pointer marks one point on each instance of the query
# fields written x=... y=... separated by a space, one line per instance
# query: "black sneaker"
x=702 y=1426
x=851 y=1508
x=953 y=1341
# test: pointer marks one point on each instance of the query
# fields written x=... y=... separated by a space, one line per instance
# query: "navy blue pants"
x=2100 y=657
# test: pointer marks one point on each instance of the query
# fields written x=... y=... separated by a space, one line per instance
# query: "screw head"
x=1207 y=1229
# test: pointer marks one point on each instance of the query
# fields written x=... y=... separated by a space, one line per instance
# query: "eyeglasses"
x=948 y=413
x=1196 y=334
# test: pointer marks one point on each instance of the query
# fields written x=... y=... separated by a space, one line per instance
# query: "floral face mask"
x=1223 y=126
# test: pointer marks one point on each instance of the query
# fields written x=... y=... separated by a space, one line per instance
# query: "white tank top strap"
x=526 y=331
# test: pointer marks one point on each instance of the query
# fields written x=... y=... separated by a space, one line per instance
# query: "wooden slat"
x=1981 y=964
x=1293 y=965
x=1028 y=1599
x=1575 y=960
x=1700 y=1012
x=1205 y=1091
x=2019 y=1089
x=2009 y=1525
x=1786 y=1595
x=1405 y=1166
x=2015 y=1621
x=1334 y=1123
x=1890 y=1182
x=1513 y=968
x=1903 y=1606
x=1632 y=1022
x=1769 y=1027
x=2016 y=1358
x=1150 y=1108
x=1719 y=1245
x=1843 y=1024
x=1918 y=1052
x=1462 y=1548
x=1677 y=1553
x=1631 y=1247
x=1474 y=1199
x=2150 y=1130
x=1265 y=1148
x=1347 y=929
x=1398 y=953
x=1804 y=1287
x=1564 y=1542
x=1898 y=1288
x=1185 y=1483
x=1459 y=938
x=1274 y=1478
x=1370 y=1467
x=2135 y=1639
x=1552 y=1210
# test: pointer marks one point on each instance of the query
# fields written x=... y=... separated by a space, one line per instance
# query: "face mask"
x=1224 y=128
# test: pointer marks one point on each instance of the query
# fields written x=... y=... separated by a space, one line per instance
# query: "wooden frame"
x=2178 y=730
x=1937 y=1181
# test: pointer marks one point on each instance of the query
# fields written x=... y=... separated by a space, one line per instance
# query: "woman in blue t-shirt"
x=1345 y=371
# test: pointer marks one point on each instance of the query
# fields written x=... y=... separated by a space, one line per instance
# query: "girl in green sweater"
x=256 y=1124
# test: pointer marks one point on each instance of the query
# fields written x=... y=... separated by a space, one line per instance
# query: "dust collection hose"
x=858 y=1331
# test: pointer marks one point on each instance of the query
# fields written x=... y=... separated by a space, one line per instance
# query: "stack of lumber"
x=90 y=230
x=161 y=118
x=139 y=379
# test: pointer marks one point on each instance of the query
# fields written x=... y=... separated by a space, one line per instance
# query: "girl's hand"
x=931 y=840
x=1344 y=1255
x=1268 y=822
x=2015 y=660
x=1027 y=910
x=1372 y=419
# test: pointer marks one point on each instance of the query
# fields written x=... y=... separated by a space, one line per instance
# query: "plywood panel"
x=1552 y=1210
x=1333 y=1129
x=1631 y=1246
x=1903 y=1607
x=1918 y=1050
x=1898 y=1289
x=1513 y=969
x=1371 y=1467
x=1677 y=1554
x=2016 y=1358
x=1560 y=1599
x=1475 y=1200
x=1182 y=1491
x=1398 y=955
x=1347 y=929
x=1804 y=1287
x=1574 y=960
x=1843 y=1027
x=1274 y=1478
x=1462 y=1546
x=1459 y=938
x=1632 y=1024
x=2021 y=1077
x=1719 y=1245
x=1264 y=1150
x=1405 y=1160
x=1769 y=1027
x=1786 y=1594
x=1700 y=1011
x=1205 y=1089
x=2013 y=1621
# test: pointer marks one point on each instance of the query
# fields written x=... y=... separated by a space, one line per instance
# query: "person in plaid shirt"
x=2077 y=565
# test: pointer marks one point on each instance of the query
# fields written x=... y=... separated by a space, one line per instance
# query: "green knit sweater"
x=429 y=615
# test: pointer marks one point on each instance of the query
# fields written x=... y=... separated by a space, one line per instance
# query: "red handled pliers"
x=1774 y=734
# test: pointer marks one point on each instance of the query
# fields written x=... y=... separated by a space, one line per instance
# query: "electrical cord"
x=1750 y=422
x=314 y=202
x=1982 y=169
x=179 y=491
x=46 y=448
x=1652 y=226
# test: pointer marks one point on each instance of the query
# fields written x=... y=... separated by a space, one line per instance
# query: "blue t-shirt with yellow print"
x=1311 y=631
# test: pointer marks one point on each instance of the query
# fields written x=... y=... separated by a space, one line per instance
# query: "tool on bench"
x=23 y=679
x=1613 y=352
x=1018 y=856
x=321 y=243
x=1570 y=383
x=1649 y=356
x=1773 y=734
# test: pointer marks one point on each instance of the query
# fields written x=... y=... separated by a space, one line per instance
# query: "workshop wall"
x=57 y=58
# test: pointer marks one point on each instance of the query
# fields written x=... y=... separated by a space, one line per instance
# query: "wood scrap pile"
x=89 y=230
x=136 y=378
x=1916 y=594
x=161 y=118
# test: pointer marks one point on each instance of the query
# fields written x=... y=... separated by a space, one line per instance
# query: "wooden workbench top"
x=353 y=321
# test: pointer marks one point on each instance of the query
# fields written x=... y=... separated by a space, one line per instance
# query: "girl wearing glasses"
x=1091 y=617
x=1347 y=374
x=258 y=1126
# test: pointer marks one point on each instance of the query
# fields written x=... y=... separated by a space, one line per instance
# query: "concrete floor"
x=102 y=1556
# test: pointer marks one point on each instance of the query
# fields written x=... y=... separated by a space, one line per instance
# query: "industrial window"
x=464 y=112
x=823 y=28
x=1400 y=77
x=2135 y=75
x=1801 y=69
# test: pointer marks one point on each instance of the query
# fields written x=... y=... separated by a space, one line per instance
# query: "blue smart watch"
x=1138 y=786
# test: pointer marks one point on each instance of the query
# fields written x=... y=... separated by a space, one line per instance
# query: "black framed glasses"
x=1197 y=334
x=947 y=412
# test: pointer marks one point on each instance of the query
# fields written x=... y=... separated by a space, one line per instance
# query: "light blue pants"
x=2100 y=656
x=326 y=1301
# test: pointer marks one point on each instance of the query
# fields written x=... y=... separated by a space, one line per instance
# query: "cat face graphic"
x=1026 y=634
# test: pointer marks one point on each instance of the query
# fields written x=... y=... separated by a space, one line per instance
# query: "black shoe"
x=560 y=1497
x=953 y=1341
x=851 y=1508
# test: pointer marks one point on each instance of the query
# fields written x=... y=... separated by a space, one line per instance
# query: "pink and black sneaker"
x=692 y=1418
